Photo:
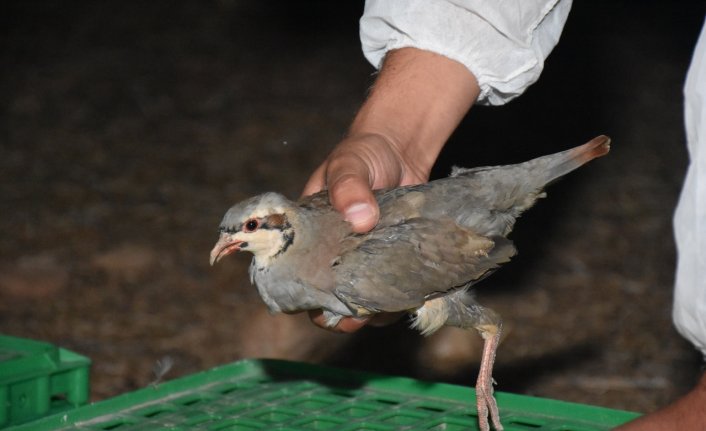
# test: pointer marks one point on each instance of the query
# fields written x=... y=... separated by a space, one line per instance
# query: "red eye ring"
x=251 y=225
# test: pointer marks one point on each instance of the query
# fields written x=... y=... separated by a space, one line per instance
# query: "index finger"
x=316 y=182
x=346 y=325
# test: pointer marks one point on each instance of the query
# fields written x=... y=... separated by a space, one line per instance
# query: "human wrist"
x=416 y=103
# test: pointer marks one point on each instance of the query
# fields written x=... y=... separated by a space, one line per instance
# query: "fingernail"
x=358 y=214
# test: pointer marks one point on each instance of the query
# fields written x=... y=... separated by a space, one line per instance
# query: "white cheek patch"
x=264 y=244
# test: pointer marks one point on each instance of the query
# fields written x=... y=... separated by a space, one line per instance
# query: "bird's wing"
x=397 y=268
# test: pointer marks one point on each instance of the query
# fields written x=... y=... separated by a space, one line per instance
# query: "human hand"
x=358 y=165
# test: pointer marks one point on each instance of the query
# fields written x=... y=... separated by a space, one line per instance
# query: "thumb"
x=351 y=195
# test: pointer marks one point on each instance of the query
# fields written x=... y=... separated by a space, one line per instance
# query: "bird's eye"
x=251 y=225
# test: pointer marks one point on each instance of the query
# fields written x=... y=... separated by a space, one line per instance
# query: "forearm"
x=416 y=103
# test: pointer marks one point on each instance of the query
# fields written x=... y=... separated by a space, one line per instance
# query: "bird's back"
x=486 y=199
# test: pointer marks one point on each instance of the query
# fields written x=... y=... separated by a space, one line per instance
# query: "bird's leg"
x=460 y=310
x=485 y=400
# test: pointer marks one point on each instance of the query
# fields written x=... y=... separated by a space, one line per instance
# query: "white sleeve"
x=502 y=42
x=690 y=217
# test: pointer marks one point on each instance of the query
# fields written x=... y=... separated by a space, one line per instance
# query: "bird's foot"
x=485 y=400
x=487 y=406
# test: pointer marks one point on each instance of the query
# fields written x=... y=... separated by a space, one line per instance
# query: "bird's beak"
x=225 y=246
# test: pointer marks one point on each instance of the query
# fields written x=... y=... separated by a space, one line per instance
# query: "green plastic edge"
x=37 y=363
x=35 y=359
x=529 y=406
x=251 y=368
x=31 y=358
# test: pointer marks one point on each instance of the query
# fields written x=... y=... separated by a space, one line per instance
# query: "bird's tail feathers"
x=545 y=169
x=564 y=162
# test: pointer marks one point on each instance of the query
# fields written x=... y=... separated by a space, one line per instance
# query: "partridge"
x=432 y=242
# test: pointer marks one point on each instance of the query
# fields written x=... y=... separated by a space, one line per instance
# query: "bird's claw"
x=487 y=406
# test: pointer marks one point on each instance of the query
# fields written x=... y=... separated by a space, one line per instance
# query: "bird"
x=433 y=241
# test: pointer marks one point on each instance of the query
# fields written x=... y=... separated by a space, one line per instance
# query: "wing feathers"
x=397 y=268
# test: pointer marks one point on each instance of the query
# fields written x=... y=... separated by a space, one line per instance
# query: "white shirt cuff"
x=503 y=42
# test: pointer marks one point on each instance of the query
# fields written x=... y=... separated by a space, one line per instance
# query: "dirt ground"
x=127 y=129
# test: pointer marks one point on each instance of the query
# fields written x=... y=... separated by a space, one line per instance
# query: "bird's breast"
x=286 y=289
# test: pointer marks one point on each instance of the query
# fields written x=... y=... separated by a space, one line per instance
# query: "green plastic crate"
x=38 y=379
x=269 y=395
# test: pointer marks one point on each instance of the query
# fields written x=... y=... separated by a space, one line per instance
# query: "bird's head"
x=260 y=225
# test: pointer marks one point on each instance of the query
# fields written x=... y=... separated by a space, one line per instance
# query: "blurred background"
x=128 y=128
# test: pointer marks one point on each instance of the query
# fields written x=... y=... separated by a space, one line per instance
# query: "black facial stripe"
x=288 y=240
x=278 y=222
x=230 y=230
